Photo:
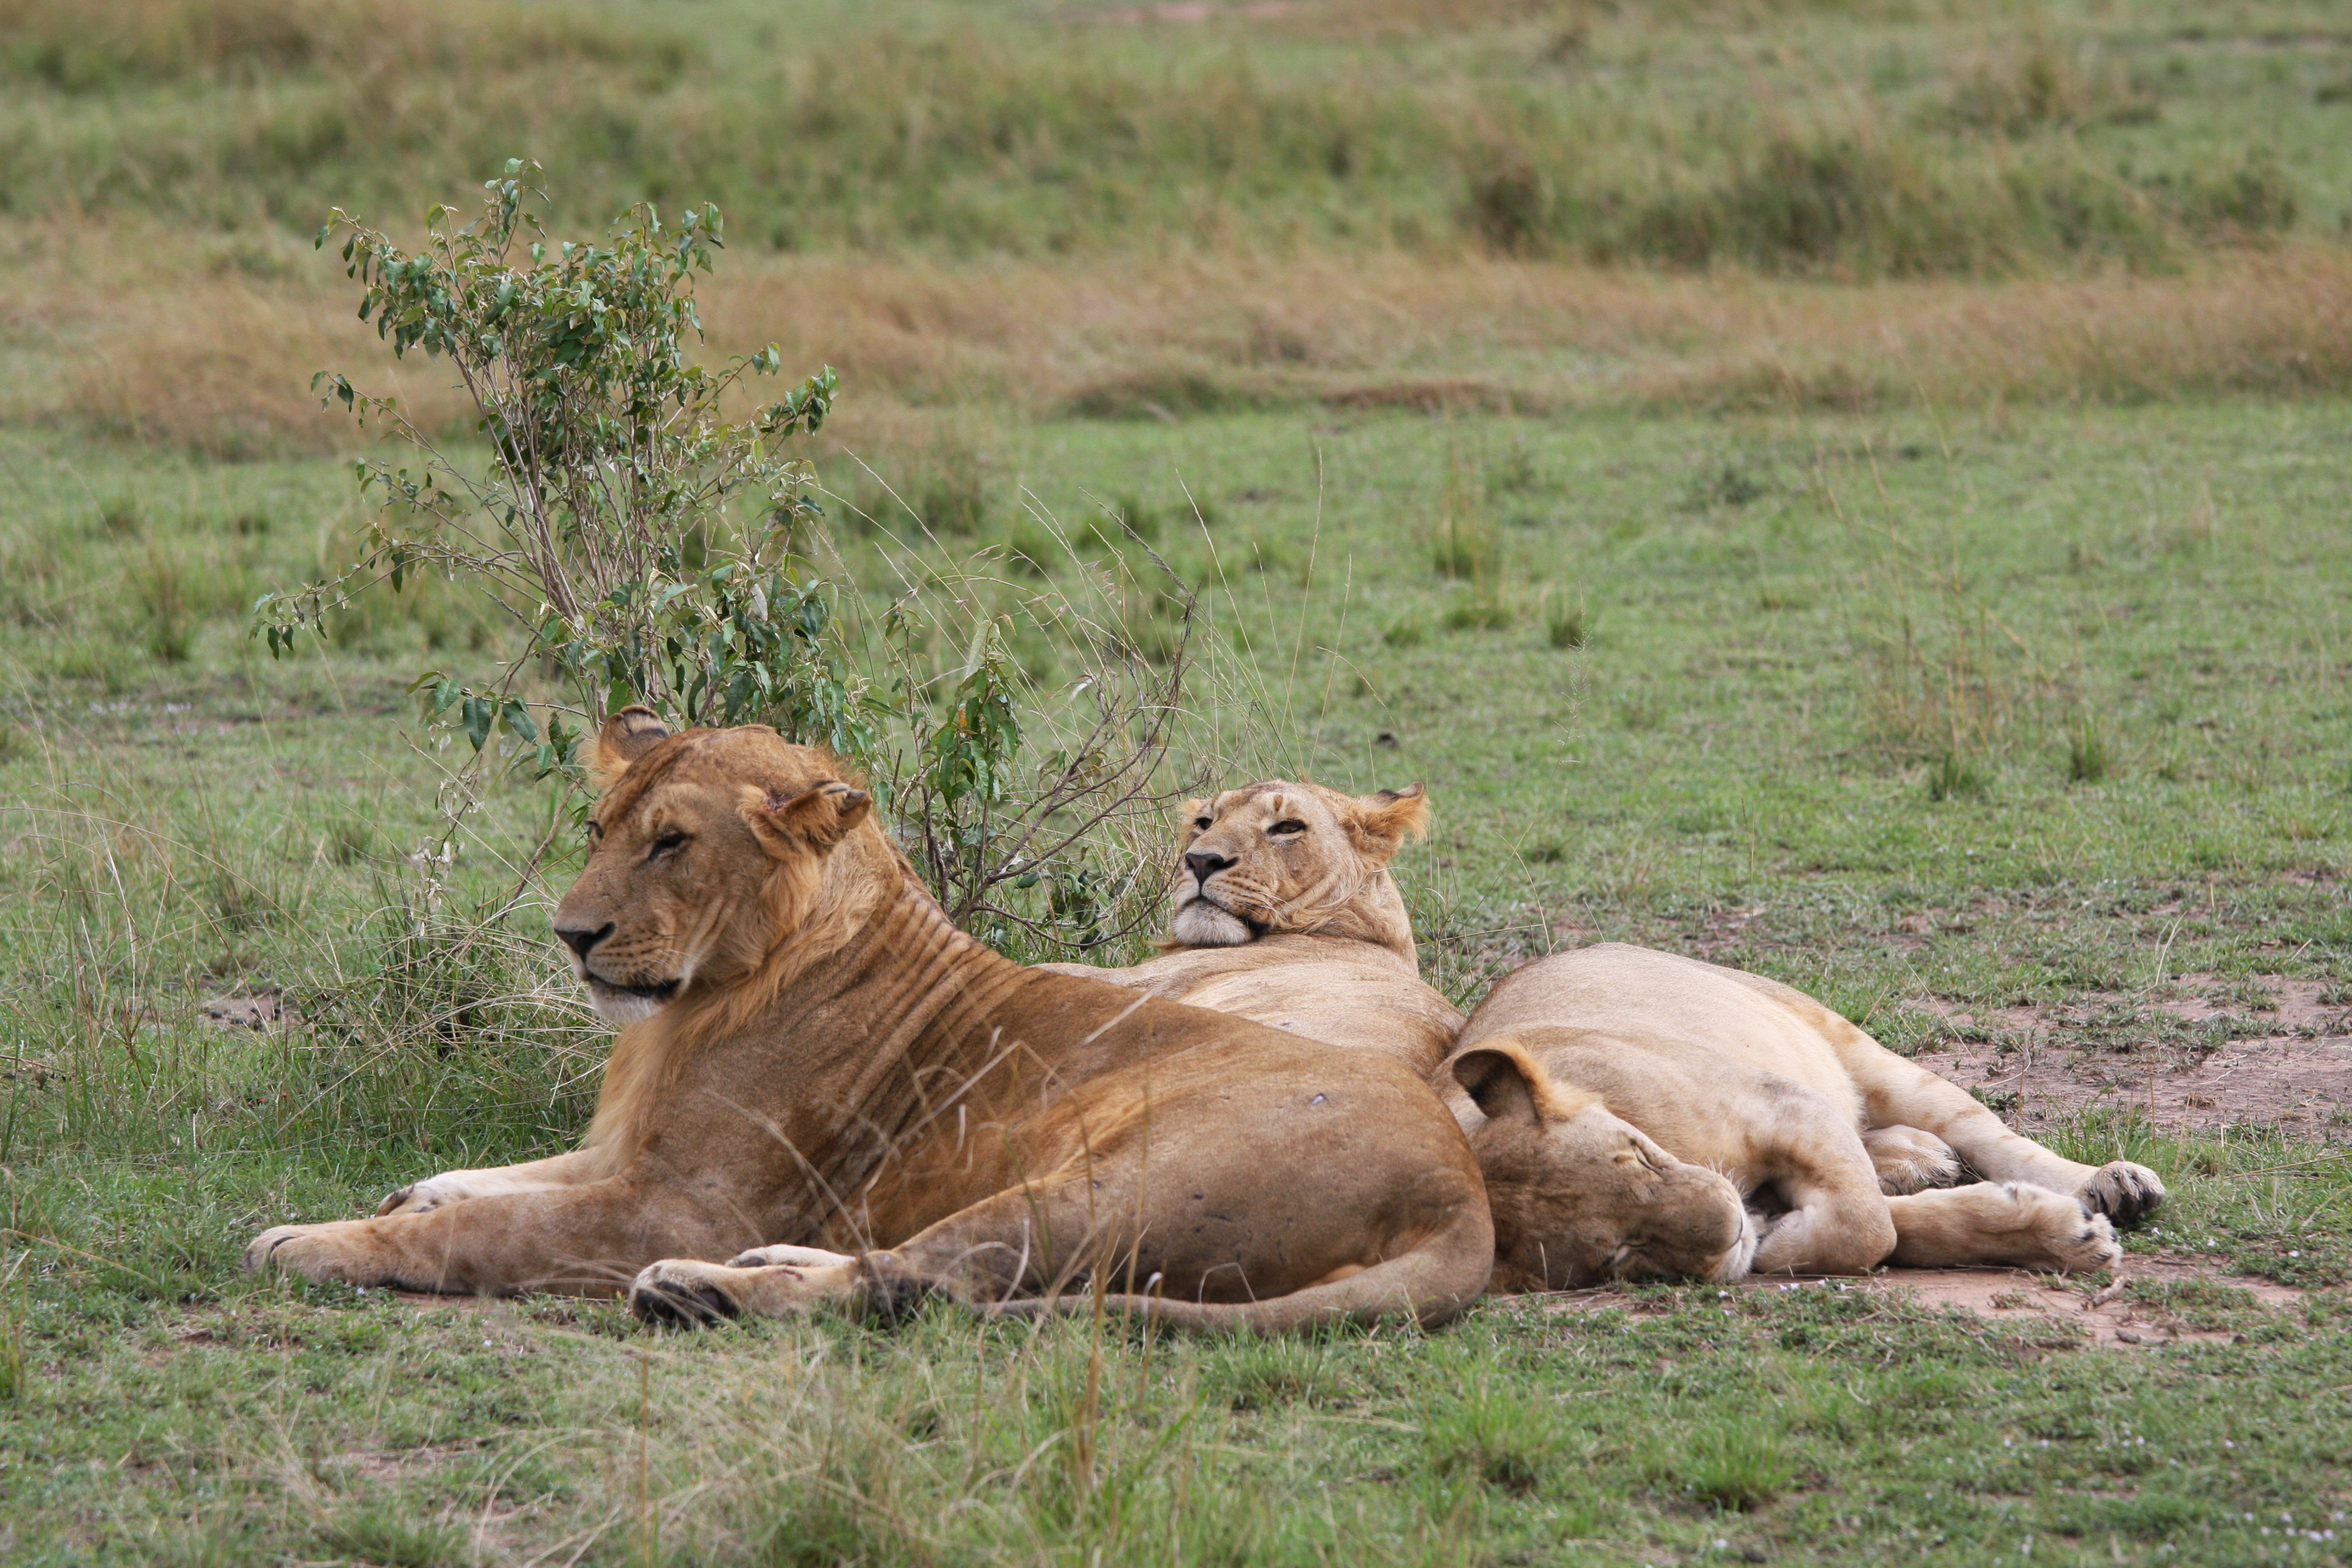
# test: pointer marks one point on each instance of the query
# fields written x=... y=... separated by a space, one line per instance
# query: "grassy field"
x=1851 y=492
x=2130 y=622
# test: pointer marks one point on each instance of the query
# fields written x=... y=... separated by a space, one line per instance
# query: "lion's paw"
x=2123 y=1192
x=423 y=1197
x=682 y=1292
x=793 y=1257
x=1910 y=1160
x=686 y=1291
x=2058 y=1235
x=319 y=1253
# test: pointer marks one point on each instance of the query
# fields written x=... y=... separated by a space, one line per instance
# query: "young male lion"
x=1631 y=1108
x=814 y=1057
x=1285 y=914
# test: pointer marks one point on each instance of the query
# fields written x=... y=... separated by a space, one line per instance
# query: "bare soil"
x=2109 y=1315
x=2290 y=1065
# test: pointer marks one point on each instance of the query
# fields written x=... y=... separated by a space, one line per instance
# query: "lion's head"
x=705 y=851
x=1580 y=1195
x=1278 y=856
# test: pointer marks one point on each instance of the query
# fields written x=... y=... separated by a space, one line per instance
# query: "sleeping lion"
x=1287 y=915
x=1638 y=1114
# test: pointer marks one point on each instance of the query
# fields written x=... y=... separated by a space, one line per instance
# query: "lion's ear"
x=626 y=736
x=1379 y=824
x=1505 y=1082
x=817 y=817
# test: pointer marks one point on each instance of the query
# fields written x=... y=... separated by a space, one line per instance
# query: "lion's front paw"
x=2063 y=1237
x=417 y=1197
x=319 y=1253
x=1910 y=1160
x=683 y=1291
x=423 y=1197
x=2123 y=1192
x=793 y=1257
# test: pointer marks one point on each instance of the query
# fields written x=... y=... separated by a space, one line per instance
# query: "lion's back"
x=1693 y=1011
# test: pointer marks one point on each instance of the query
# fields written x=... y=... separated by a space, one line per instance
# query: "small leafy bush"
x=641 y=541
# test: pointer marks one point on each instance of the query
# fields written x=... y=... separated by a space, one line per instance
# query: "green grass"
x=1739 y=757
x=1856 y=141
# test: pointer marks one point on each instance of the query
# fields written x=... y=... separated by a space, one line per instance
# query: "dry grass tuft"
x=87 y=46
x=219 y=356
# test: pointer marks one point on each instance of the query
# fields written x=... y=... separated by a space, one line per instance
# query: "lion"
x=821 y=1080
x=1285 y=914
x=1638 y=1114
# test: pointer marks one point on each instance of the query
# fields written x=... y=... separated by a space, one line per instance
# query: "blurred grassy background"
x=1166 y=209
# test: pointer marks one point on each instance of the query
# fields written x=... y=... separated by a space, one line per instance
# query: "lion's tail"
x=1433 y=1281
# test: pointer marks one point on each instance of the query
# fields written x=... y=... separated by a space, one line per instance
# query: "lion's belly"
x=1248 y=1166
x=1697 y=1106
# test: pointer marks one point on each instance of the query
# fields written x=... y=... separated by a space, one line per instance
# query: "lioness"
x=814 y=1057
x=1285 y=914
x=1630 y=1108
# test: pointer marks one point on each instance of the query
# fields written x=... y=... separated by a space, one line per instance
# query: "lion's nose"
x=580 y=940
x=1204 y=865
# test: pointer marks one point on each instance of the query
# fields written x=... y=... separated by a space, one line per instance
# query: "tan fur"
x=1300 y=929
x=1580 y=1072
x=821 y=1078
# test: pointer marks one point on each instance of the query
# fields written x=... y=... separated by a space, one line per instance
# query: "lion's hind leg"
x=2009 y=1224
x=1899 y=1093
x=1910 y=1160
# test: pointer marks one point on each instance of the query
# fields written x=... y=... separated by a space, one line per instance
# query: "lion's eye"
x=670 y=841
x=1288 y=825
x=1201 y=823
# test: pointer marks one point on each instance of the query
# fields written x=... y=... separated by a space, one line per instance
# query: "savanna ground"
x=1855 y=492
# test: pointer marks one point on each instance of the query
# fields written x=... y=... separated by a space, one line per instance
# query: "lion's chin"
x=621 y=1006
x=1202 y=924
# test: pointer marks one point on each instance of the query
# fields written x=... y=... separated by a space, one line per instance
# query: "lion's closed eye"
x=670 y=842
x=1288 y=825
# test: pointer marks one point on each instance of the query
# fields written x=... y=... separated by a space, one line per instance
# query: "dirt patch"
x=422 y=1300
x=2299 y=1006
x=2268 y=1050
x=2299 y=1086
x=2112 y=1315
